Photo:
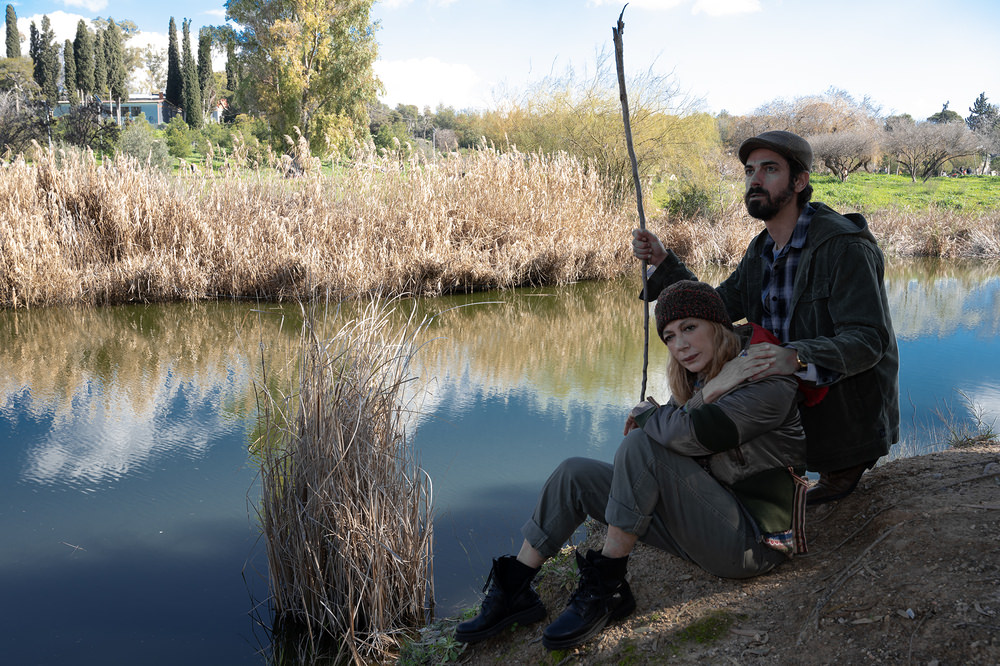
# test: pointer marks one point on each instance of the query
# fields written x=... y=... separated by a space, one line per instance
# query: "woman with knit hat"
x=712 y=476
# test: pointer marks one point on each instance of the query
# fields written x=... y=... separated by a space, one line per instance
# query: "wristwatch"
x=798 y=359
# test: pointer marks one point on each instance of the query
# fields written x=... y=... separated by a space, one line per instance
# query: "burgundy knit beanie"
x=689 y=298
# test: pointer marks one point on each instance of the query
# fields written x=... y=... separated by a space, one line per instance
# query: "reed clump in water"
x=345 y=509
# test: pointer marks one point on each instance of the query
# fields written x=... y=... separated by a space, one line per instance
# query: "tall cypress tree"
x=192 y=90
x=45 y=59
x=206 y=82
x=83 y=50
x=36 y=62
x=69 y=65
x=114 y=56
x=175 y=83
x=13 y=37
x=232 y=68
x=100 y=67
x=50 y=61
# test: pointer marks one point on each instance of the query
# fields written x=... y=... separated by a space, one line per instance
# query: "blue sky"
x=907 y=56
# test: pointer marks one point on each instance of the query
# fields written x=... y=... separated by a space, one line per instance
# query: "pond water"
x=127 y=492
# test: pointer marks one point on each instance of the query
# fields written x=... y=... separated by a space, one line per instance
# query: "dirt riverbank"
x=904 y=571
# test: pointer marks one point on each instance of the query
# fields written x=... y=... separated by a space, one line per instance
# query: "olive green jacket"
x=749 y=439
x=839 y=321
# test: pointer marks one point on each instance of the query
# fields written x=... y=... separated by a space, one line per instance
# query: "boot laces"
x=590 y=588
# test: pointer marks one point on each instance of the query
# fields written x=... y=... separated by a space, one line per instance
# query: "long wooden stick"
x=617 y=34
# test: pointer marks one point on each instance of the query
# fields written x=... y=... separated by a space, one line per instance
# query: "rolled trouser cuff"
x=539 y=540
x=624 y=518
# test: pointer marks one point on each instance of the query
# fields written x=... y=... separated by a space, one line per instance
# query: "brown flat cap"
x=790 y=146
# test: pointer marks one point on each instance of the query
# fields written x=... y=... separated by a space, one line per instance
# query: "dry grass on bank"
x=75 y=232
x=345 y=509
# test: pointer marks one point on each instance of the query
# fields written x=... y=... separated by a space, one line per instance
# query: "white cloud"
x=63 y=26
x=218 y=13
x=725 y=7
x=429 y=82
x=93 y=6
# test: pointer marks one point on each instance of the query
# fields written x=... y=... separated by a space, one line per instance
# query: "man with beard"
x=813 y=278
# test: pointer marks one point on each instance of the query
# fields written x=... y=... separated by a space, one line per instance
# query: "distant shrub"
x=178 y=137
x=140 y=141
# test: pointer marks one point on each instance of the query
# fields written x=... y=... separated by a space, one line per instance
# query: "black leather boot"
x=509 y=599
x=602 y=595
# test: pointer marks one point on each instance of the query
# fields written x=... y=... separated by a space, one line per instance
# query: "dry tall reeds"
x=345 y=509
x=75 y=232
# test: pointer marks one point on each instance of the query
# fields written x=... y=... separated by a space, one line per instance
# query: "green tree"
x=13 y=36
x=189 y=76
x=175 y=81
x=114 y=60
x=131 y=55
x=45 y=56
x=984 y=120
x=232 y=70
x=69 y=71
x=983 y=116
x=83 y=52
x=308 y=65
x=945 y=115
x=178 y=137
x=17 y=74
x=100 y=66
x=206 y=82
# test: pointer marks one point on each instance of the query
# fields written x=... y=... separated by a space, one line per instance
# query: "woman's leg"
x=576 y=489
x=579 y=487
x=672 y=503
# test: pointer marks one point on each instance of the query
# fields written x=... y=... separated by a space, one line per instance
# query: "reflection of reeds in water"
x=345 y=509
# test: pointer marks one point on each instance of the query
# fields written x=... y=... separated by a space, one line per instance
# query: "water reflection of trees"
x=101 y=381
x=586 y=338
x=579 y=344
x=931 y=297
x=574 y=341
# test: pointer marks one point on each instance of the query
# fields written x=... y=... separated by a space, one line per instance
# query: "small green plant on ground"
x=559 y=572
x=707 y=629
x=435 y=644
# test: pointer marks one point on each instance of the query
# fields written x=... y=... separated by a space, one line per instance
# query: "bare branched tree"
x=922 y=148
x=22 y=119
x=843 y=153
x=833 y=112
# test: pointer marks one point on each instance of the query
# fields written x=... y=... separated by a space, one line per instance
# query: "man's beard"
x=766 y=209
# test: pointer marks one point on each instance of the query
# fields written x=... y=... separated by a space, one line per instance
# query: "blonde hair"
x=681 y=381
